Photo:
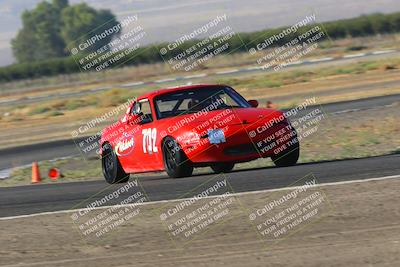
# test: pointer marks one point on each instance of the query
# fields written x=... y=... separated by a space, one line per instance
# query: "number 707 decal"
x=149 y=140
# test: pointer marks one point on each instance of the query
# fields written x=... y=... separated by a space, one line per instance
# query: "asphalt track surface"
x=23 y=200
x=32 y=199
x=23 y=155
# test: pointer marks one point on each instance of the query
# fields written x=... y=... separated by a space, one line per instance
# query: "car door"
x=127 y=146
x=148 y=151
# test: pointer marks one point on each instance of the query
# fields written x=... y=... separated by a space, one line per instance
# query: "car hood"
x=236 y=116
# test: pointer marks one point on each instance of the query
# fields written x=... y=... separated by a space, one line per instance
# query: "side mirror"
x=253 y=103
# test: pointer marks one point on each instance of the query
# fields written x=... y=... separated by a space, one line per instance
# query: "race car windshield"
x=197 y=99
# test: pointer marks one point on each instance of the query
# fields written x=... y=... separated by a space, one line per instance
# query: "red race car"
x=175 y=130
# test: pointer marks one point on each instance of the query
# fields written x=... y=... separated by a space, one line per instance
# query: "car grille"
x=240 y=150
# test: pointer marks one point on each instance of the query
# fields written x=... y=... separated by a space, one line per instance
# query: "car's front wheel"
x=112 y=169
x=288 y=157
x=222 y=167
x=176 y=163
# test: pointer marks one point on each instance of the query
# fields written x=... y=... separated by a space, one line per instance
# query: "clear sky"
x=165 y=20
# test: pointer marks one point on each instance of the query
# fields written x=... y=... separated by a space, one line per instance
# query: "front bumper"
x=243 y=143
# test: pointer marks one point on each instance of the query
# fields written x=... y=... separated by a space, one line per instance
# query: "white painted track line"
x=177 y=200
x=195 y=76
x=383 y=52
x=294 y=63
x=227 y=72
x=132 y=84
x=254 y=68
x=355 y=55
x=321 y=59
x=166 y=80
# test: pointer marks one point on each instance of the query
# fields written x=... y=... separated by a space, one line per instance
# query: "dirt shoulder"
x=360 y=228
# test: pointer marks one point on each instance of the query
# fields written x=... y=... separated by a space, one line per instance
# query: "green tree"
x=380 y=23
x=336 y=29
x=60 y=4
x=48 y=27
x=24 y=45
x=394 y=20
x=81 y=22
x=360 y=26
x=39 y=37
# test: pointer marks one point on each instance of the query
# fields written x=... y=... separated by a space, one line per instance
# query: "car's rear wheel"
x=222 y=167
x=176 y=163
x=112 y=169
x=288 y=157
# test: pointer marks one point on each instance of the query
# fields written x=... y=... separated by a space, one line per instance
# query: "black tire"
x=288 y=157
x=176 y=163
x=222 y=167
x=112 y=169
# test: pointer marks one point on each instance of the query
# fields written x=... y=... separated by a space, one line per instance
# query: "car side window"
x=134 y=108
x=143 y=109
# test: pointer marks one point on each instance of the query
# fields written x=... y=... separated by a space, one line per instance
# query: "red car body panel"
x=136 y=154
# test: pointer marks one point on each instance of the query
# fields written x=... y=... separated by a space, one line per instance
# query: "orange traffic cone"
x=270 y=105
x=54 y=174
x=35 y=173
